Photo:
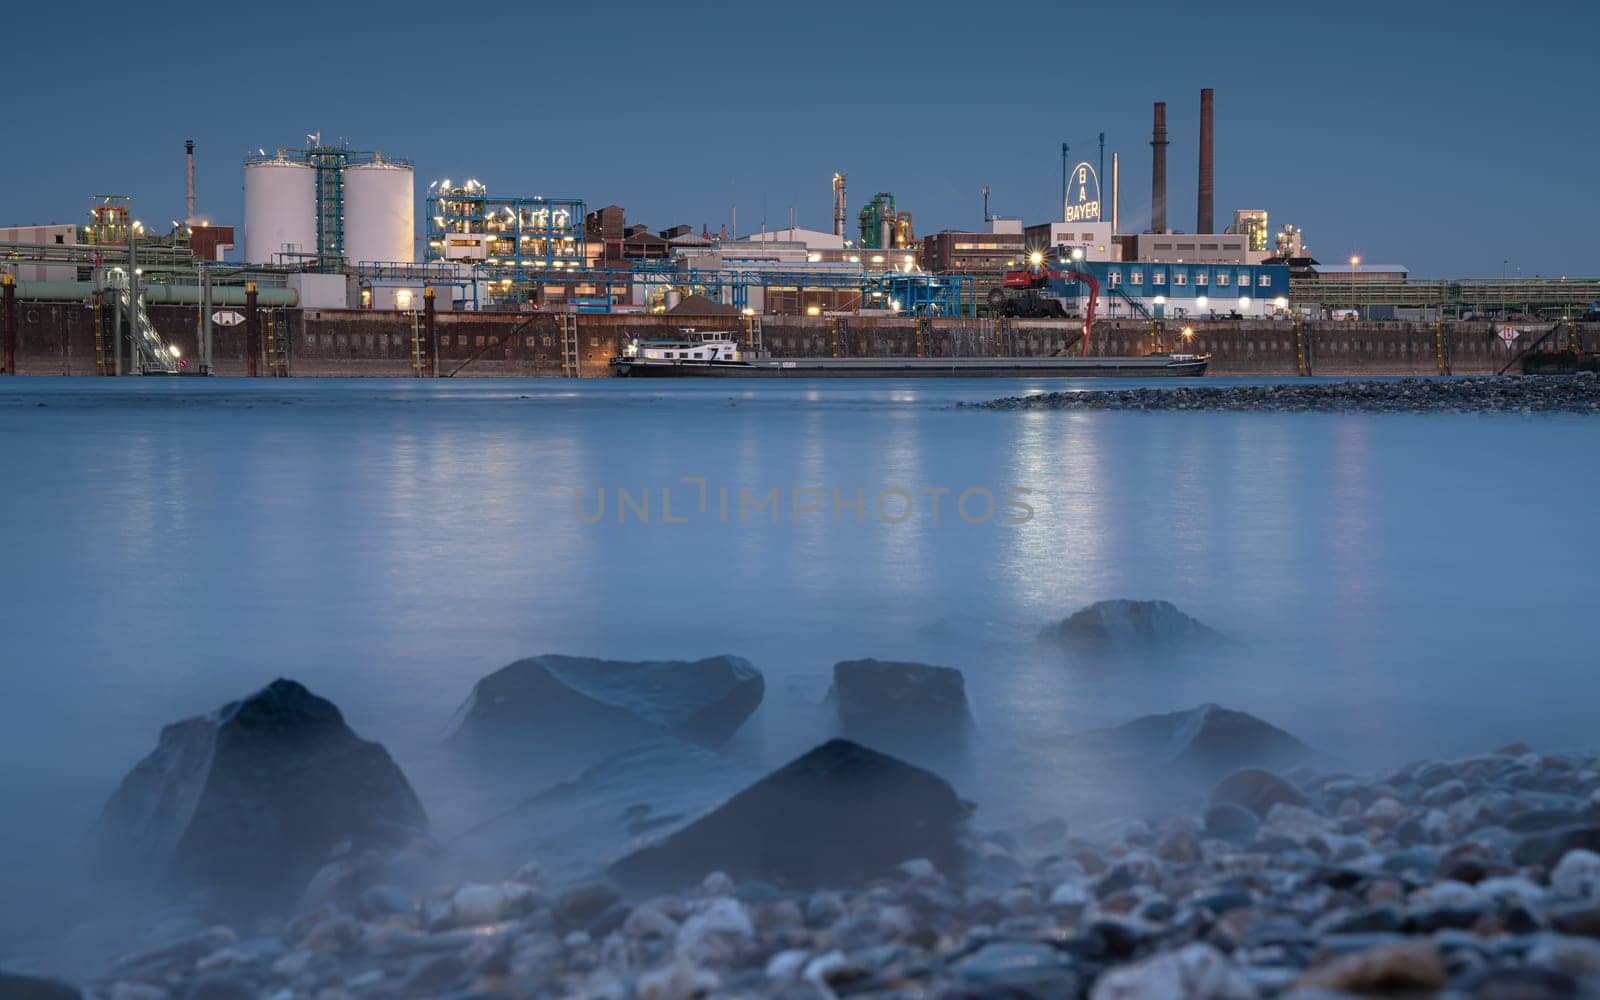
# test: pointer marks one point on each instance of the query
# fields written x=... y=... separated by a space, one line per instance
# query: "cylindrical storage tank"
x=379 y=212
x=280 y=209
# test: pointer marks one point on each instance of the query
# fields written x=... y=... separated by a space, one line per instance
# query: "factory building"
x=1220 y=248
x=812 y=239
x=1092 y=238
x=1189 y=290
x=978 y=254
x=47 y=235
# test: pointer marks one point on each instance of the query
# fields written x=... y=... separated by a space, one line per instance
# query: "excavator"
x=1041 y=291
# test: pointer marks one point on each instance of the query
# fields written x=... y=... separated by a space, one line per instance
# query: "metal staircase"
x=102 y=360
x=153 y=353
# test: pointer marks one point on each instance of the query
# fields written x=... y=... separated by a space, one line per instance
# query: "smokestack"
x=188 y=154
x=838 y=204
x=1205 y=221
x=1158 y=171
x=1116 y=193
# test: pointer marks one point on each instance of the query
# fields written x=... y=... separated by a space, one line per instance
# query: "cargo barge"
x=723 y=359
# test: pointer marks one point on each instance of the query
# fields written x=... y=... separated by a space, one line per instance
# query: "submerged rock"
x=574 y=702
x=17 y=987
x=254 y=798
x=899 y=698
x=1257 y=789
x=837 y=814
x=583 y=823
x=1131 y=626
x=1202 y=744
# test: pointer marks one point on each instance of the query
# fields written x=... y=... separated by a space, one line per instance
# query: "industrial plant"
x=331 y=234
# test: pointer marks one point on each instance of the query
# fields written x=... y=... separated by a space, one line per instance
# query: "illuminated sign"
x=1083 y=196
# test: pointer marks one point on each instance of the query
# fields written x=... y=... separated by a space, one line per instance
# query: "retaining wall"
x=58 y=339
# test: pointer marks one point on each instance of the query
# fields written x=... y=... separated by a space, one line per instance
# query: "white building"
x=1093 y=238
x=811 y=239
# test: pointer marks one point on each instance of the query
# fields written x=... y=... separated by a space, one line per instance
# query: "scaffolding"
x=466 y=224
x=597 y=289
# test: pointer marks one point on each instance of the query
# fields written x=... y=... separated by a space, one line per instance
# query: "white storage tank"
x=280 y=208
x=379 y=212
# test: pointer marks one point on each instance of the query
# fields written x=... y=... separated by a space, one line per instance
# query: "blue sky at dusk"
x=1448 y=137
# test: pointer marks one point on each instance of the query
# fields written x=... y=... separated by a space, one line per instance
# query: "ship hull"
x=1151 y=366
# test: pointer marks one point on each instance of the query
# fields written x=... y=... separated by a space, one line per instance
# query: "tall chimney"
x=1158 y=171
x=1205 y=221
x=188 y=155
x=838 y=204
x=1116 y=194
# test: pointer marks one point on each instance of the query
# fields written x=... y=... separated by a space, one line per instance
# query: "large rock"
x=625 y=800
x=584 y=704
x=1201 y=744
x=254 y=798
x=834 y=816
x=1131 y=626
x=886 y=696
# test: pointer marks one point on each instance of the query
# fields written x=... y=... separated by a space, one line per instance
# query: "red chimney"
x=1158 y=171
x=1205 y=221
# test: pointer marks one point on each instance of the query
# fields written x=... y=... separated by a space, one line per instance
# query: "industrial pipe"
x=252 y=332
x=221 y=295
x=8 y=324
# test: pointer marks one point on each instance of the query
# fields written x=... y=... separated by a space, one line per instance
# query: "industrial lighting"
x=1077 y=253
x=1244 y=302
x=1036 y=258
x=1200 y=301
x=813 y=311
x=1161 y=300
x=748 y=311
x=1188 y=333
x=1280 y=303
x=1355 y=261
x=174 y=350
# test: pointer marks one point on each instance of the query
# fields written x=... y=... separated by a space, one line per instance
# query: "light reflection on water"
x=391 y=542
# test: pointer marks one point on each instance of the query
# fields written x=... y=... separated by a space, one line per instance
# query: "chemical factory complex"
x=335 y=274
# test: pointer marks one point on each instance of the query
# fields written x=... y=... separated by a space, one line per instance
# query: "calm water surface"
x=1401 y=584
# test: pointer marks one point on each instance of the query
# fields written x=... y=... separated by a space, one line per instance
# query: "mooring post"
x=8 y=319
x=427 y=332
x=252 y=332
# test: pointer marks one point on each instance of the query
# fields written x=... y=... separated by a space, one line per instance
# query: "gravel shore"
x=1499 y=394
x=1463 y=878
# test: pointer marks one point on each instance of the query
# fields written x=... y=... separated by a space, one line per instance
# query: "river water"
x=1399 y=585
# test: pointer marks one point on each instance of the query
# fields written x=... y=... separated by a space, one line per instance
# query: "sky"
x=1455 y=138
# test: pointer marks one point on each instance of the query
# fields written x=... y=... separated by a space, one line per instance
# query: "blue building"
x=1179 y=290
